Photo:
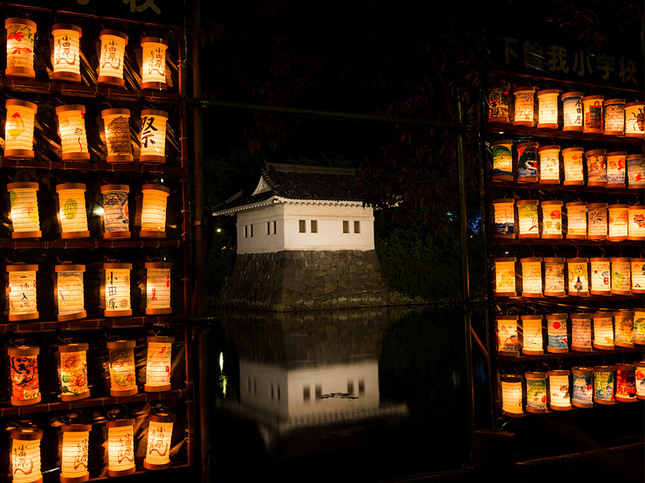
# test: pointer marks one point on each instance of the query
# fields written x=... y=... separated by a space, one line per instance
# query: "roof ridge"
x=304 y=168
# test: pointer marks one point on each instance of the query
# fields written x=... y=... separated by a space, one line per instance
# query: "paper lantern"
x=572 y=111
x=123 y=380
x=593 y=120
x=532 y=341
x=23 y=199
x=504 y=218
x=74 y=459
x=153 y=136
x=25 y=455
x=559 y=392
x=549 y=164
x=112 y=58
x=554 y=277
x=70 y=292
x=498 y=107
x=551 y=219
x=527 y=213
x=638 y=275
x=67 y=52
x=116 y=215
x=603 y=383
x=640 y=379
x=527 y=162
x=121 y=447
x=159 y=363
x=576 y=220
x=618 y=229
x=21 y=34
x=73 y=136
x=117 y=297
x=572 y=159
x=581 y=333
x=505 y=277
x=624 y=328
x=159 y=439
x=19 y=128
x=536 y=392
x=603 y=330
x=153 y=211
x=21 y=292
x=73 y=371
x=582 y=382
x=153 y=66
x=158 y=288
x=597 y=221
x=557 y=340
x=511 y=395
x=502 y=160
x=621 y=281
x=524 y=106
x=626 y=383
x=578 y=276
x=638 y=336
x=531 y=277
x=116 y=124
x=614 y=117
x=635 y=119
x=616 y=169
x=600 y=276
x=596 y=167
x=636 y=222
x=23 y=367
x=507 y=340
x=72 y=214
x=548 y=108
x=635 y=170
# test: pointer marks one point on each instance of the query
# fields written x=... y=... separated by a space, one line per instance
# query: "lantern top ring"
x=70 y=186
x=70 y=107
x=158 y=265
x=76 y=427
x=117 y=423
x=29 y=434
x=69 y=268
x=24 y=350
x=123 y=266
x=22 y=268
x=115 y=187
x=155 y=40
x=154 y=112
x=22 y=103
x=67 y=26
x=22 y=184
x=162 y=418
x=559 y=372
x=160 y=338
x=157 y=187
x=548 y=91
x=14 y=20
x=114 y=33
x=115 y=111
x=121 y=344
x=75 y=347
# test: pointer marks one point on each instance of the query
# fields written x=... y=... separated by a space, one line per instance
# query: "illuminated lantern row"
x=74 y=461
x=25 y=455
x=67 y=52
x=23 y=367
x=21 y=34
x=72 y=214
x=159 y=442
x=73 y=371
x=19 y=128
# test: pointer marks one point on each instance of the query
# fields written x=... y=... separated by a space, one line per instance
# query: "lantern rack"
x=107 y=167
x=89 y=323
x=89 y=244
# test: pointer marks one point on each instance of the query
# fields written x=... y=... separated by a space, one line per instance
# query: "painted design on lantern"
x=604 y=385
x=639 y=220
x=578 y=277
x=625 y=384
x=524 y=106
x=118 y=135
x=583 y=388
x=603 y=331
x=616 y=169
x=639 y=330
x=573 y=169
x=597 y=168
x=620 y=277
x=502 y=160
x=116 y=300
x=148 y=131
x=124 y=448
x=20 y=41
x=507 y=336
x=109 y=56
x=638 y=274
x=121 y=363
x=156 y=62
x=21 y=301
x=593 y=117
x=504 y=219
x=597 y=221
x=557 y=336
x=24 y=377
x=637 y=120
x=580 y=332
x=553 y=277
x=527 y=162
x=156 y=440
x=74 y=372
x=21 y=461
x=81 y=455
x=64 y=53
x=601 y=276
x=636 y=171
x=70 y=209
x=528 y=212
x=624 y=328
x=17 y=126
x=115 y=208
x=572 y=107
x=553 y=223
x=640 y=381
x=615 y=117
x=618 y=219
x=536 y=393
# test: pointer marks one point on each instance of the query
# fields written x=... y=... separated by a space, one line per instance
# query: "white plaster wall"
x=260 y=242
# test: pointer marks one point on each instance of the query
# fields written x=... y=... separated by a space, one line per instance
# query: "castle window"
x=345 y=226
x=314 y=226
x=302 y=226
x=357 y=227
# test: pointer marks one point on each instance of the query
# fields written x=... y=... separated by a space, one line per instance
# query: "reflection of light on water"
x=223 y=378
x=221 y=362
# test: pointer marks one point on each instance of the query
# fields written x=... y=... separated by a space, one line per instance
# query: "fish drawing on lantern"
x=527 y=163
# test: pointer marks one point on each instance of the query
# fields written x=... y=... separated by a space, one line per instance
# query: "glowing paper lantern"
x=621 y=282
x=582 y=394
x=596 y=167
x=67 y=52
x=532 y=341
x=123 y=380
x=21 y=34
x=635 y=119
x=560 y=395
x=638 y=275
x=24 y=210
x=73 y=371
x=603 y=330
x=597 y=227
x=511 y=395
x=638 y=337
x=19 y=128
x=159 y=439
x=549 y=164
x=581 y=332
x=73 y=136
x=23 y=365
x=618 y=228
x=536 y=392
x=121 y=447
x=572 y=111
x=548 y=109
x=74 y=459
x=70 y=292
x=504 y=218
x=524 y=106
x=153 y=211
x=507 y=340
x=640 y=379
x=635 y=170
x=531 y=277
x=527 y=212
x=21 y=292
x=636 y=222
x=502 y=160
x=153 y=136
x=72 y=215
x=554 y=277
x=116 y=123
x=158 y=365
x=626 y=383
x=557 y=340
x=527 y=162
x=623 y=328
x=576 y=220
x=116 y=215
x=505 y=277
x=153 y=67
x=616 y=169
x=600 y=276
x=614 y=117
x=578 y=276
x=112 y=58
x=25 y=455
x=498 y=109
x=116 y=287
x=593 y=120
x=158 y=288
x=551 y=219
x=603 y=383
x=573 y=166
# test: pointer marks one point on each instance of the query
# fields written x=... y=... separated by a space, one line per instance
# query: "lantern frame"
x=576 y=292
x=504 y=229
x=508 y=293
x=562 y=263
x=119 y=233
x=75 y=347
x=132 y=389
x=612 y=181
x=74 y=155
x=627 y=287
x=542 y=155
x=67 y=76
x=545 y=207
x=640 y=380
x=526 y=293
x=641 y=288
x=159 y=418
x=633 y=220
x=106 y=79
x=503 y=148
x=530 y=173
x=569 y=161
x=631 y=165
x=507 y=320
x=153 y=84
x=514 y=379
x=74 y=428
x=21 y=72
x=593 y=288
x=70 y=268
x=118 y=423
x=611 y=234
x=604 y=216
x=81 y=212
x=576 y=206
x=534 y=205
x=20 y=153
x=498 y=96
x=596 y=161
x=603 y=345
x=619 y=394
x=619 y=316
x=25 y=351
x=158 y=310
